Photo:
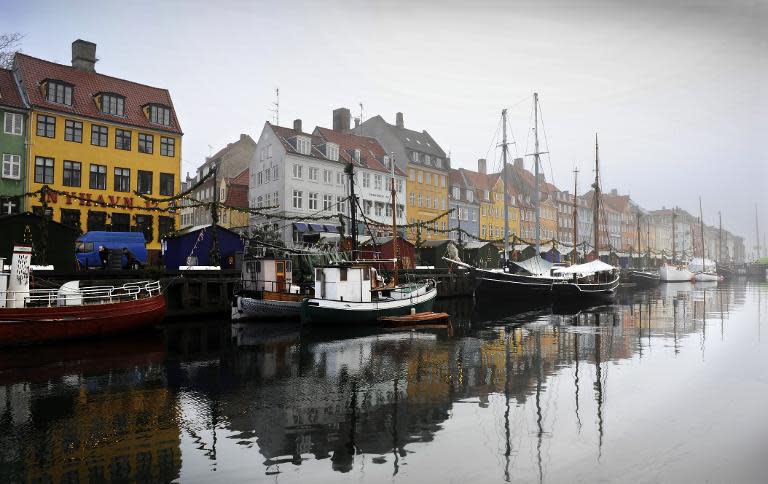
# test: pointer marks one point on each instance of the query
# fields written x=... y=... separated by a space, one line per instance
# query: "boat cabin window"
x=288 y=266
x=318 y=274
x=85 y=246
x=366 y=275
x=343 y=274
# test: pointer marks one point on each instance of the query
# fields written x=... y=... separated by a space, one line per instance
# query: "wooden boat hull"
x=316 y=311
x=42 y=324
x=495 y=284
x=644 y=278
x=582 y=291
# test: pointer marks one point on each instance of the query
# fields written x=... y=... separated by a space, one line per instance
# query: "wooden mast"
x=394 y=221
x=506 y=186
x=701 y=223
x=596 y=203
x=575 y=213
x=537 y=199
x=674 y=254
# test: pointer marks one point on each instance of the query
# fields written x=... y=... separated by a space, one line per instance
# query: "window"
x=121 y=222
x=339 y=178
x=419 y=177
x=144 y=184
x=274 y=173
x=259 y=201
x=13 y=124
x=160 y=115
x=470 y=196
x=377 y=182
x=146 y=143
x=122 y=179
x=167 y=184
x=412 y=199
x=356 y=155
x=414 y=157
x=11 y=166
x=442 y=181
x=70 y=218
x=298 y=196
x=428 y=178
x=165 y=225
x=303 y=145
x=339 y=204
x=455 y=193
x=297 y=171
x=412 y=174
x=58 y=92
x=113 y=104
x=267 y=175
x=366 y=180
x=313 y=172
x=98 y=178
x=378 y=209
x=72 y=173
x=144 y=225
x=427 y=160
x=73 y=131
x=312 y=201
x=167 y=146
x=438 y=162
x=327 y=178
x=122 y=139
x=96 y=220
x=327 y=202
x=99 y=135
x=421 y=200
x=43 y=170
x=46 y=126
x=332 y=151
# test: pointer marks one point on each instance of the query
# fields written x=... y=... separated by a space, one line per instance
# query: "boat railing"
x=269 y=286
x=85 y=295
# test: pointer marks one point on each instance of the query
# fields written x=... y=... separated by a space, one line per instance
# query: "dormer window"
x=456 y=193
x=112 y=104
x=386 y=162
x=58 y=92
x=356 y=155
x=414 y=156
x=332 y=151
x=427 y=159
x=486 y=194
x=303 y=145
x=470 y=196
x=159 y=114
x=438 y=162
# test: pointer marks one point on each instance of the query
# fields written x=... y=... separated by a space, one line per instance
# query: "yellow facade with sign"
x=102 y=187
x=427 y=191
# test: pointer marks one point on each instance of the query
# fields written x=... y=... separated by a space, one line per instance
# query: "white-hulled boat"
x=670 y=273
x=348 y=294
x=267 y=292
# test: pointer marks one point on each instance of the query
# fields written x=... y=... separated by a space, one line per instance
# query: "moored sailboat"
x=674 y=272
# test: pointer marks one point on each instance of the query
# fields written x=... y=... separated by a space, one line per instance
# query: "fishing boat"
x=352 y=292
x=642 y=278
x=266 y=291
x=29 y=315
x=592 y=280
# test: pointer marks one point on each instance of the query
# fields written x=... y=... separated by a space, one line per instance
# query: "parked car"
x=97 y=250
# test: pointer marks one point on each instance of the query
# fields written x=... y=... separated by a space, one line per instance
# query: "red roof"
x=241 y=179
x=237 y=196
x=33 y=72
x=9 y=94
x=371 y=152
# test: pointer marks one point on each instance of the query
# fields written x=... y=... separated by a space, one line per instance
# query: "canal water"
x=666 y=385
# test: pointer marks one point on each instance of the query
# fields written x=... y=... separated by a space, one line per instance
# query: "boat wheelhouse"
x=267 y=291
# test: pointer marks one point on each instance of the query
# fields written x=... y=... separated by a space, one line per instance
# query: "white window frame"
x=303 y=145
x=313 y=173
x=298 y=198
x=10 y=160
x=456 y=192
x=332 y=150
x=419 y=177
x=312 y=203
x=327 y=177
x=16 y=124
x=377 y=182
x=366 y=180
x=297 y=171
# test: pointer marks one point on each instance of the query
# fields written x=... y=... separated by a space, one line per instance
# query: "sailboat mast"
x=575 y=212
x=596 y=204
x=506 y=185
x=720 y=238
x=757 y=233
x=350 y=171
x=639 y=245
x=394 y=222
x=674 y=215
x=537 y=200
x=701 y=223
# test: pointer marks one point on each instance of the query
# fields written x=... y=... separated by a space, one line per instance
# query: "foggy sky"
x=676 y=90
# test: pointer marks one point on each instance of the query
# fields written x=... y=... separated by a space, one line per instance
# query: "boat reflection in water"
x=516 y=392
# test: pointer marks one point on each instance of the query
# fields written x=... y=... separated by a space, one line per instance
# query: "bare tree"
x=8 y=47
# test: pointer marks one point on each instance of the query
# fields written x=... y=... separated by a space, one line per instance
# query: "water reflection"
x=210 y=397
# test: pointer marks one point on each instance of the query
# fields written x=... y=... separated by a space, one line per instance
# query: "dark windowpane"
x=43 y=170
x=46 y=126
x=58 y=92
x=146 y=143
x=122 y=139
x=122 y=180
x=98 y=177
x=121 y=222
x=99 y=135
x=145 y=182
x=97 y=220
x=70 y=218
x=166 y=184
x=73 y=131
x=112 y=104
x=72 y=173
x=144 y=225
x=167 y=146
x=165 y=225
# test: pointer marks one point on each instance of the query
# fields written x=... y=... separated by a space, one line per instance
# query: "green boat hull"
x=319 y=315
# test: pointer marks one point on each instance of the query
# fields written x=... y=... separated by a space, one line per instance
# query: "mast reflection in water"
x=636 y=391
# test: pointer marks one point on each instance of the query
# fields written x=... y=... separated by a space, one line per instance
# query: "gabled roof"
x=371 y=152
x=9 y=93
x=33 y=72
x=285 y=134
x=242 y=178
x=418 y=141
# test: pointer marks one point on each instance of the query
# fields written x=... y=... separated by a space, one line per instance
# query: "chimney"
x=297 y=125
x=357 y=123
x=399 y=120
x=243 y=136
x=84 y=55
x=519 y=163
x=341 y=118
x=481 y=166
x=614 y=192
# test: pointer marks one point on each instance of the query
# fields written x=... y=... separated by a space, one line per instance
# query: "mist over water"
x=668 y=385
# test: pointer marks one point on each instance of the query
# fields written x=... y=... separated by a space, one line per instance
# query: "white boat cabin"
x=350 y=283
x=273 y=275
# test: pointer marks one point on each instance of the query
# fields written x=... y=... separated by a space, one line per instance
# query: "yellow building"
x=94 y=140
x=492 y=211
x=427 y=189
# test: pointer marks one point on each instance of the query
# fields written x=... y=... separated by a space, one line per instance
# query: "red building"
x=383 y=248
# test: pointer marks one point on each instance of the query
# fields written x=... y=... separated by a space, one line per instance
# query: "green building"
x=13 y=126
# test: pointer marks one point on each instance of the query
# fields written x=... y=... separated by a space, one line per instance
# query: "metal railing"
x=85 y=295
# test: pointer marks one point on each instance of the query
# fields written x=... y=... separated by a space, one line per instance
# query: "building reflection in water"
x=104 y=417
x=295 y=394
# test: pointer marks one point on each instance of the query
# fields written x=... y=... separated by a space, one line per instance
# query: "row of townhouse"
x=93 y=140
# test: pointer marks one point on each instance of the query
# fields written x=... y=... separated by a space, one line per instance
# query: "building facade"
x=427 y=168
x=462 y=200
x=94 y=140
x=13 y=116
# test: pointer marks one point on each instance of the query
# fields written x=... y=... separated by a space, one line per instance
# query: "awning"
x=535 y=265
x=300 y=226
x=332 y=229
x=588 y=268
x=317 y=227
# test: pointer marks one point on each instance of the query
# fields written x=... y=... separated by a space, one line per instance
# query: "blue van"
x=89 y=243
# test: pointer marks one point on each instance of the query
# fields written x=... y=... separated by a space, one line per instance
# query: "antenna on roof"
x=276 y=108
x=361 y=119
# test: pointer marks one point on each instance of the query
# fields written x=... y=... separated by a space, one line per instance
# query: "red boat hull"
x=39 y=325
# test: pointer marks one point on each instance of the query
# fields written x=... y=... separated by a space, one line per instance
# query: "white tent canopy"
x=696 y=266
x=588 y=268
x=535 y=265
